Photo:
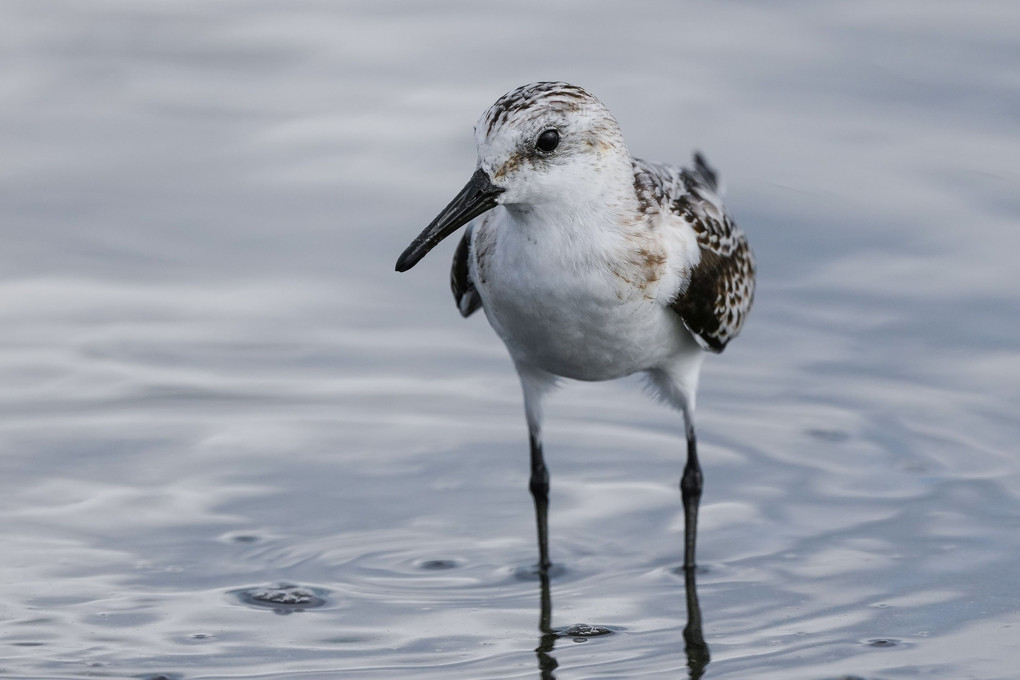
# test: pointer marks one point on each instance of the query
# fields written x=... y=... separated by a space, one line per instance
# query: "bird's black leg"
x=540 y=492
x=690 y=490
x=535 y=383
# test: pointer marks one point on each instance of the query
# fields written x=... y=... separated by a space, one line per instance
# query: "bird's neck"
x=581 y=233
x=601 y=199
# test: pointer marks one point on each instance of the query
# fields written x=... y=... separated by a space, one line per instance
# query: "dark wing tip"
x=464 y=292
x=713 y=344
x=705 y=172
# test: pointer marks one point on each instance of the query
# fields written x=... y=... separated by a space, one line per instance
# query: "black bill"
x=475 y=198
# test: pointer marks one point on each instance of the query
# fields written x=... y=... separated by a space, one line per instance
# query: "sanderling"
x=591 y=264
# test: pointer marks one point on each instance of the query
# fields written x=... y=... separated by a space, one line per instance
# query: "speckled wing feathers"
x=720 y=291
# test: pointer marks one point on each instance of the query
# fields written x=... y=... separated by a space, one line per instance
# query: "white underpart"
x=552 y=296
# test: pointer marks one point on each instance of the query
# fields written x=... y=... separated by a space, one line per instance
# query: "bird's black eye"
x=548 y=141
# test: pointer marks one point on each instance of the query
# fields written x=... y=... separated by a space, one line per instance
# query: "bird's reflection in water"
x=546 y=663
x=694 y=640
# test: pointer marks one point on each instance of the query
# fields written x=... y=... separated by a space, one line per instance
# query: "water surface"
x=234 y=443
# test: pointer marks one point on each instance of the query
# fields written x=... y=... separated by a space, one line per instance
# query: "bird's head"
x=543 y=144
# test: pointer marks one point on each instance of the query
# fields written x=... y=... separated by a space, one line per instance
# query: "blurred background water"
x=214 y=385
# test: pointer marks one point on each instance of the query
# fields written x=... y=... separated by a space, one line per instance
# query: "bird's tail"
x=708 y=176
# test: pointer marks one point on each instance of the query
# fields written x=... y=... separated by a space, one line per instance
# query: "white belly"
x=585 y=325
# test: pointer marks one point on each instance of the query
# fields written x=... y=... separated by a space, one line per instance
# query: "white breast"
x=578 y=307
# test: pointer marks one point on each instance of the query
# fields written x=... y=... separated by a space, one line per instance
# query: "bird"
x=591 y=264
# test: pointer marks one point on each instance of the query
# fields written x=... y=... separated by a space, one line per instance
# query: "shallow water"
x=235 y=444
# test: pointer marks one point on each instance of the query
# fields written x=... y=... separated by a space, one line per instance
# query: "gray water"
x=213 y=384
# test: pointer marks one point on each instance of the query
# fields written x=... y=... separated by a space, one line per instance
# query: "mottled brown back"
x=721 y=288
